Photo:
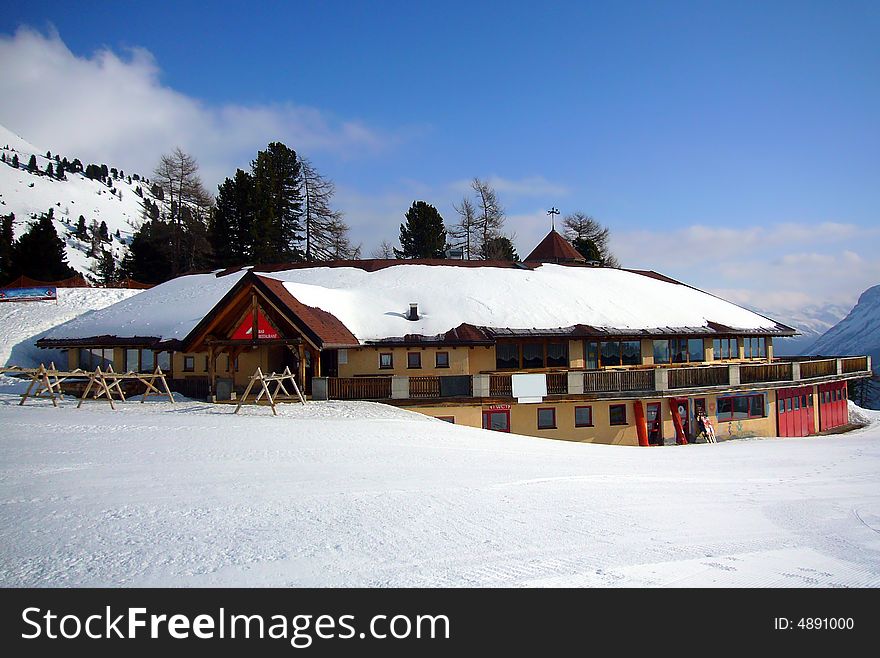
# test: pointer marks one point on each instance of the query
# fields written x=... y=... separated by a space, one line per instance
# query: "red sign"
x=265 y=330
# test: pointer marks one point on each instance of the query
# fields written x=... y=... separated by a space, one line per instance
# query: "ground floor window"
x=446 y=419
x=92 y=358
x=583 y=416
x=144 y=360
x=617 y=414
x=547 y=418
x=189 y=363
x=498 y=421
x=741 y=407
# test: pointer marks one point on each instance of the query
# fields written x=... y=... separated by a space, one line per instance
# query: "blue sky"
x=733 y=145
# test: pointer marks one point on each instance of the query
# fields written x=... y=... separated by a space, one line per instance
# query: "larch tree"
x=489 y=215
x=177 y=175
x=590 y=238
x=466 y=233
x=384 y=251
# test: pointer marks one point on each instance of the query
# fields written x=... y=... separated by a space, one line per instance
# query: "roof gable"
x=554 y=249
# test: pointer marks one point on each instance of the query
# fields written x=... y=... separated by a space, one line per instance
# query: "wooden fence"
x=697 y=377
x=765 y=372
x=612 y=381
x=810 y=369
x=359 y=388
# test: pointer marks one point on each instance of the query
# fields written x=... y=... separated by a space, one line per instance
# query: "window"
x=163 y=360
x=446 y=419
x=557 y=355
x=591 y=354
x=755 y=347
x=747 y=406
x=532 y=355
x=678 y=350
x=661 y=351
x=413 y=359
x=189 y=363
x=617 y=414
x=583 y=416
x=788 y=406
x=695 y=349
x=610 y=352
x=498 y=421
x=506 y=356
x=547 y=419
x=386 y=360
x=631 y=352
x=782 y=406
x=90 y=359
x=132 y=360
x=441 y=360
x=725 y=348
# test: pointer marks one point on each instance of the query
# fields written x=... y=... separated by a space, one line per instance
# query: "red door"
x=655 y=428
x=832 y=405
x=794 y=411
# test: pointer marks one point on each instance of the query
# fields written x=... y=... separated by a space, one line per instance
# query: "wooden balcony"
x=641 y=381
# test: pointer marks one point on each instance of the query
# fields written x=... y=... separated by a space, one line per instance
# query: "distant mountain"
x=811 y=321
x=858 y=333
x=114 y=201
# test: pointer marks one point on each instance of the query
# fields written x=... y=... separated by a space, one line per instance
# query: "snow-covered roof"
x=373 y=304
x=168 y=311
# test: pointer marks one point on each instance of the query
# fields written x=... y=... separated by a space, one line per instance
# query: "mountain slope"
x=28 y=194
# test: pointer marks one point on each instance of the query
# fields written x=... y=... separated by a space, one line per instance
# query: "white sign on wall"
x=529 y=388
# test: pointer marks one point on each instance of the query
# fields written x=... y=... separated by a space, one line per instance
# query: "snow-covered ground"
x=357 y=493
x=360 y=494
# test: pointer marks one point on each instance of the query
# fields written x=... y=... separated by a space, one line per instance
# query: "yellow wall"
x=462 y=361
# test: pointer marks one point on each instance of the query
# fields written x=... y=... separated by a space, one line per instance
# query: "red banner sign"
x=265 y=330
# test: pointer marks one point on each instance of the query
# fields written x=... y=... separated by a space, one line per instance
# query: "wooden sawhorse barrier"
x=264 y=381
x=105 y=382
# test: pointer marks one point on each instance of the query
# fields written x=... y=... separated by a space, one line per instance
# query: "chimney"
x=413 y=312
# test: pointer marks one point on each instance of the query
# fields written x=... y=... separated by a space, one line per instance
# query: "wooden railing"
x=359 y=388
x=855 y=364
x=810 y=369
x=557 y=383
x=697 y=377
x=612 y=381
x=424 y=387
x=765 y=372
x=500 y=386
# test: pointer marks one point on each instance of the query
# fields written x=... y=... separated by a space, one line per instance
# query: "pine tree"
x=102 y=232
x=39 y=253
x=278 y=221
x=3 y=157
x=423 y=234
x=6 y=243
x=95 y=238
x=49 y=171
x=105 y=270
x=32 y=164
x=149 y=256
x=231 y=227
x=501 y=248
x=81 y=232
x=15 y=160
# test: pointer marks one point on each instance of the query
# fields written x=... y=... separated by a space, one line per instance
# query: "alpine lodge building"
x=550 y=347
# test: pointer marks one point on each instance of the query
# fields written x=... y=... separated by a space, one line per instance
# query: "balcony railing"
x=658 y=380
x=359 y=388
x=612 y=381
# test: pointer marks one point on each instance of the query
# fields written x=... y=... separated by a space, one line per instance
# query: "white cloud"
x=115 y=109
x=529 y=186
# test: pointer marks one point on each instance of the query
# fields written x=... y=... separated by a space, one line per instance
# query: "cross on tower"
x=553 y=212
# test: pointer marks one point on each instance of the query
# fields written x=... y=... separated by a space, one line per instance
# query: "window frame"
x=446 y=419
x=410 y=356
x=437 y=363
x=611 y=422
x=538 y=411
x=189 y=363
x=390 y=356
x=590 y=410
x=724 y=416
